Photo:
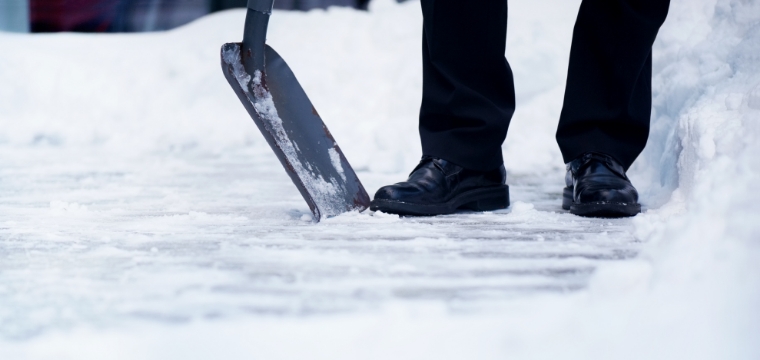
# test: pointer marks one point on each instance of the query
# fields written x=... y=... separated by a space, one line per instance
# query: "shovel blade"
x=291 y=125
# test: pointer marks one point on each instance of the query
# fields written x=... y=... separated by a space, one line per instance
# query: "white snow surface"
x=142 y=215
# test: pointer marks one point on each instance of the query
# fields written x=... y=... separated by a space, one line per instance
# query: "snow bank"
x=700 y=268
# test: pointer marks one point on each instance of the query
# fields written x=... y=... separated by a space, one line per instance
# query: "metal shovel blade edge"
x=294 y=130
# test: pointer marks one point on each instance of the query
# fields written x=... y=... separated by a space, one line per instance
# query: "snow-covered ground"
x=142 y=215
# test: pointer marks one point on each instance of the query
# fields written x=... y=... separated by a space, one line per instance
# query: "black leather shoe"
x=437 y=187
x=598 y=187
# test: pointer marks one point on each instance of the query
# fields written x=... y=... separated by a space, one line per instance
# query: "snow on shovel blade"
x=296 y=133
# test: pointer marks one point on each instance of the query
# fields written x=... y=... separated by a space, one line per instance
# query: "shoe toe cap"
x=392 y=192
x=386 y=193
x=623 y=195
x=398 y=192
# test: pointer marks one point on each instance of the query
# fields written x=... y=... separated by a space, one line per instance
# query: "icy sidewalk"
x=176 y=239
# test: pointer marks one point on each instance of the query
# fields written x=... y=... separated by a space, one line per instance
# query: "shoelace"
x=579 y=164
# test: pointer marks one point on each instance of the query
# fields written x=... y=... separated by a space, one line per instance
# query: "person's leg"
x=467 y=101
x=468 y=94
x=604 y=123
x=608 y=96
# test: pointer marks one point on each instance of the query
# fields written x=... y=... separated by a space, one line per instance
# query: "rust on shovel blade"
x=292 y=127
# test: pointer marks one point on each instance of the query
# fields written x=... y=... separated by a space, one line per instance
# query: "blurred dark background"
x=139 y=15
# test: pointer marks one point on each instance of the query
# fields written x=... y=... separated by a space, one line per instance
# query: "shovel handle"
x=264 y=6
x=255 y=34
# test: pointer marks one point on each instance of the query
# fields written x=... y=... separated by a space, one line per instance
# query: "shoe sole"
x=601 y=209
x=483 y=199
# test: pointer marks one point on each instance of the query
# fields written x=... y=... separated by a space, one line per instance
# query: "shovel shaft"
x=264 y=6
x=255 y=34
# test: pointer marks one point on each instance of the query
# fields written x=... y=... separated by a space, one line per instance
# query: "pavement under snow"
x=143 y=216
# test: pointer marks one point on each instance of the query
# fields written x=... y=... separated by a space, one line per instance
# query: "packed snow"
x=143 y=216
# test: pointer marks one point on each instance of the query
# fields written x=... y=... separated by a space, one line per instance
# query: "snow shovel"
x=291 y=125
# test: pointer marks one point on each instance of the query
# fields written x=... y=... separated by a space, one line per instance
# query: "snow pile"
x=701 y=268
x=706 y=110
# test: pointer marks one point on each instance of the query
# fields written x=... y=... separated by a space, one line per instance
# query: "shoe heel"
x=492 y=203
x=567 y=198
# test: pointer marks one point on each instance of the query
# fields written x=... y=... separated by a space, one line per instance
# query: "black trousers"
x=468 y=95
